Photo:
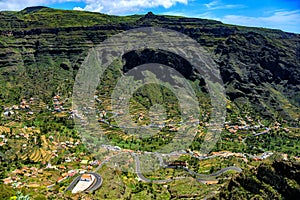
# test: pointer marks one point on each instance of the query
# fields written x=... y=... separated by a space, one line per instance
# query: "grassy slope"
x=45 y=77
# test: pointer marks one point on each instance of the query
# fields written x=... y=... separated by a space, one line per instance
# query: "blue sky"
x=278 y=14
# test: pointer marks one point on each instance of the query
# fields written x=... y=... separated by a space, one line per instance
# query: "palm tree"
x=20 y=196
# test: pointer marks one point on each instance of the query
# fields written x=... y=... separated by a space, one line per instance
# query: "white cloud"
x=218 y=5
x=19 y=5
x=278 y=19
x=124 y=6
x=212 y=3
x=106 y=6
x=285 y=20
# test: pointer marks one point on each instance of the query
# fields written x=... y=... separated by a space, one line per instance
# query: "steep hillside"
x=41 y=52
x=260 y=67
x=279 y=180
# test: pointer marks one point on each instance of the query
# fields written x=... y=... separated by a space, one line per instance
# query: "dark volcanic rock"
x=266 y=181
x=258 y=65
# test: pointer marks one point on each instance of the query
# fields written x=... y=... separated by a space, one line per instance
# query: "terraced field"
x=4 y=129
x=37 y=155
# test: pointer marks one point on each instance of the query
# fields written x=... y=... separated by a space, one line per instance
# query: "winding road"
x=141 y=176
x=73 y=183
x=199 y=177
x=98 y=182
x=203 y=177
x=105 y=161
x=96 y=185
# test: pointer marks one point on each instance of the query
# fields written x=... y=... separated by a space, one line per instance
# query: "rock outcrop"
x=259 y=67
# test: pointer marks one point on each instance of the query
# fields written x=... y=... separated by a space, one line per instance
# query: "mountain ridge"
x=41 y=51
x=258 y=66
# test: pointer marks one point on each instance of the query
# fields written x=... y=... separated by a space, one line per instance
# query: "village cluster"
x=71 y=165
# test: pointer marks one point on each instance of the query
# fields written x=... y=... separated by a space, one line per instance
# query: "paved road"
x=221 y=171
x=203 y=176
x=141 y=176
x=162 y=164
x=257 y=134
x=105 y=161
x=161 y=161
x=73 y=183
x=206 y=176
x=232 y=168
x=218 y=173
x=95 y=186
x=101 y=164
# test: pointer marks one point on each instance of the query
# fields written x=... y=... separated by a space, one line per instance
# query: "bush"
x=6 y=192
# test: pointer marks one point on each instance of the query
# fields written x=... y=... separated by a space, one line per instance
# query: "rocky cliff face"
x=260 y=67
x=279 y=180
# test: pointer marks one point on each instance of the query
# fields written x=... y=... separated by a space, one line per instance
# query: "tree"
x=20 y=196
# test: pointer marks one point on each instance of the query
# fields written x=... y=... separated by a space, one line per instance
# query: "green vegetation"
x=41 y=52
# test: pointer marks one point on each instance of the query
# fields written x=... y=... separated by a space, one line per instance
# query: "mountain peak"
x=33 y=9
x=150 y=15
